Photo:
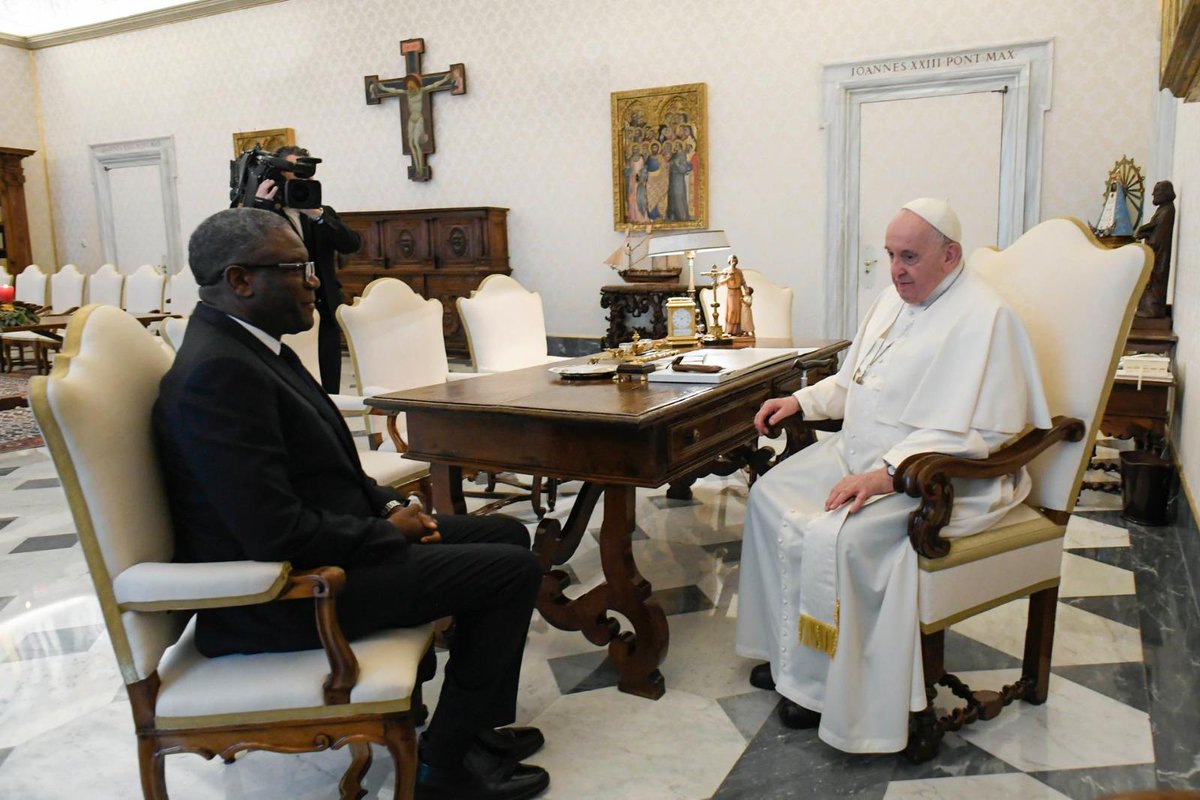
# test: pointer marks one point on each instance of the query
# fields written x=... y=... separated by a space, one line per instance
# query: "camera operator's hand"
x=267 y=190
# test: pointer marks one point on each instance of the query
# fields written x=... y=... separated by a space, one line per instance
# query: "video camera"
x=255 y=166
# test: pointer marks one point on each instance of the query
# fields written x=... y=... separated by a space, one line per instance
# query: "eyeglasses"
x=306 y=269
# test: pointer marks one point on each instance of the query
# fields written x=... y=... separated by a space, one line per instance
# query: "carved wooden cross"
x=416 y=108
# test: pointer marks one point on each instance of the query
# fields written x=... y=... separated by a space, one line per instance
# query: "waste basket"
x=1145 y=487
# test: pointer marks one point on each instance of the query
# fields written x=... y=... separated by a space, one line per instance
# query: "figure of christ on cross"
x=416 y=110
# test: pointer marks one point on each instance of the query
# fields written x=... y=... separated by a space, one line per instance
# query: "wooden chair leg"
x=551 y=493
x=351 y=787
x=401 y=740
x=535 y=495
x=924 y=732
x=1039 y=642
x=152 y=768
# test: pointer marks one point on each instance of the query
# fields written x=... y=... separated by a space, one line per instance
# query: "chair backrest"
x=771 y=306
x=182 y=293
x=144 y=290
x=32 y=286
x=172 y=330
x=106 y=285
x=67 y=287
x=94 y=410
x=505 y=325
x=1076 y=299
x=305 y=345
x=395 y=337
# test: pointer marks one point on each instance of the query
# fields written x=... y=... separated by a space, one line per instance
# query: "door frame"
x=1023 y=70
x=157 y=152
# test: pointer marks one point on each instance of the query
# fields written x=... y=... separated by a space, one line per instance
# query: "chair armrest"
x=928 y=475
x=158 y=586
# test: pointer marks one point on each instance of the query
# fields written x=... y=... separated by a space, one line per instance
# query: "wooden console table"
x=627 y=302
x=1141 y=413
x=615 y=437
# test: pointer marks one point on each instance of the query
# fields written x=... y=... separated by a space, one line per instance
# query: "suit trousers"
x=482 y=573
x=329 y=348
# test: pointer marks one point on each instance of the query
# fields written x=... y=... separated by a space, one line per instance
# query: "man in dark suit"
x=323 y=233
x=259 y=465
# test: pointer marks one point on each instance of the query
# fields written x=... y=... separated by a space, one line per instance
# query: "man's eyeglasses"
x=306 y=269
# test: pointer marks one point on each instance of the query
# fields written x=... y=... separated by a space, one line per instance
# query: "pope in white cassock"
x=828 y=588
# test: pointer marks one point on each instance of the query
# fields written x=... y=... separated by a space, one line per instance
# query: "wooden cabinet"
x=15 y=251
x=441 y=253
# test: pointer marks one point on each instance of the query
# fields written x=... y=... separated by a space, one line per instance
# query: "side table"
x=632 y=303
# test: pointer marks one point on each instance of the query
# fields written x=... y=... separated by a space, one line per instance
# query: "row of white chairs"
x=146 y=291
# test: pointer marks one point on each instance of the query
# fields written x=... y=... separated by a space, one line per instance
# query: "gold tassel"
x=820 y=636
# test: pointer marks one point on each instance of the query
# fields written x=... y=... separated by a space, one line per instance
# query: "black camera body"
x=255 y=166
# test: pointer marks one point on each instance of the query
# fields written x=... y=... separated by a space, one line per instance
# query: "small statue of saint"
x=1157 y=235
x=738 y=297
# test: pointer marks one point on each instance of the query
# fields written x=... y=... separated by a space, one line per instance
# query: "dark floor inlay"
x=1125 y=683
x=661 y=501
x=682 y=600
x=727 y=552
x=1095 y=782
x=584 y=672
x=4 y=751
x=61 y=642
x=40 y=483
x=35 y=543
x=1122 y=608
x=1114 y=556
x=964 y=654
x=4 y=522
x=7 y=471
x=4 y=601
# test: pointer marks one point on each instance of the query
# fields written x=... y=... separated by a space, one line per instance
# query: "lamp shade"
x=670 y=244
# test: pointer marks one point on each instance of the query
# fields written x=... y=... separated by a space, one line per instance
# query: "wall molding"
x=1023 y=69
x=137 y=22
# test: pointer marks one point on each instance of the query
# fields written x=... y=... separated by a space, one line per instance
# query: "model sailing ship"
x=633 y=263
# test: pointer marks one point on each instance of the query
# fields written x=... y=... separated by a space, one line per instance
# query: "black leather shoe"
x=514 y=744
x=760 y=677
x=497 y=781
x=797 y=717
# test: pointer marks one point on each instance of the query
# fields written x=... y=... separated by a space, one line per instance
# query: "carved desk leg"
x=447 y=489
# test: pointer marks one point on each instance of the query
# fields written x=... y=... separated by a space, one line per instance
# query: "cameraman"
x=323 y=233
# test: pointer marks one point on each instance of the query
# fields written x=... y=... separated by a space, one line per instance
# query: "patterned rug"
x=18 y=431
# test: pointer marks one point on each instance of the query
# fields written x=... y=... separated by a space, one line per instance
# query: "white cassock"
x=955 y=374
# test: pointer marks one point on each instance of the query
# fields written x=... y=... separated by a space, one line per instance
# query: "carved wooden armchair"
x=95 y=413
x=1076 y=299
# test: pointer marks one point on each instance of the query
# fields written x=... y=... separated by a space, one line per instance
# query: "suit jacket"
x=259 y=465
x=323 y=239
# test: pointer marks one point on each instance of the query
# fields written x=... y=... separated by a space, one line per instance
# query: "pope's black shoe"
x=482 y=776
x=760 y=677
x=794 y=716
x=514 y=744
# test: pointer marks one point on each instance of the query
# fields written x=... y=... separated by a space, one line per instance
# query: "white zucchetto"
x=937 y=213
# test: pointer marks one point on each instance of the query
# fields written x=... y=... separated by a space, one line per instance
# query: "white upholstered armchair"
x=95 y=412
x=505 y=326
x=1076 y=298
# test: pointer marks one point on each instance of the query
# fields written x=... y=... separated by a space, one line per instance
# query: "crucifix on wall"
x=416 y=106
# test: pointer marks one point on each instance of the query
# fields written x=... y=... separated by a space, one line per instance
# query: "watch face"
x=681 y=320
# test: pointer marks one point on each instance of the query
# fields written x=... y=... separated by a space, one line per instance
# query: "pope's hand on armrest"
x=162 y=586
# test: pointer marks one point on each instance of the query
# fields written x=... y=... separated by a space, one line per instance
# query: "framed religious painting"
x=270 y=140
x=660 y=157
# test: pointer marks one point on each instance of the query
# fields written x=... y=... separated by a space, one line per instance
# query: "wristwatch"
x=389 y=507
x=891 y=469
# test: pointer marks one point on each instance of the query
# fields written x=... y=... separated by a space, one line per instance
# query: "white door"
x=944 y=146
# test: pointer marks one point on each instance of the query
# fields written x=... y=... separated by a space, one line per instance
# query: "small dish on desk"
x=585 y=372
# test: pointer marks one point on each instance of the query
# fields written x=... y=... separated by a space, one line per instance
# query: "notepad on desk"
x=697 y=366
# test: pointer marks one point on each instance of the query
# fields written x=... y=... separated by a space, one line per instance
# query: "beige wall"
x=19 y=128
x=533 y=132
x=1186 y=178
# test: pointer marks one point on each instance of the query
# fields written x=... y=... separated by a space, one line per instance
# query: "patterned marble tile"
x=1119 y=608
x=48 y=644
x=1121 y=557
x=6 y=471
x=973 y=787
x=1098 y=782
x=1075 y=728
x=1125 y=683
x=964 y=653
x=1086 y=577
x=1079 y=636
x=729 y=552
x=750 y=710
x=4 y=522
x=40 y=483
x=36 y=543
x=4 y=601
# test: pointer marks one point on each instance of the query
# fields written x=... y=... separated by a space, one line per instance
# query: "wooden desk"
x=615 y=437
x=49 y=325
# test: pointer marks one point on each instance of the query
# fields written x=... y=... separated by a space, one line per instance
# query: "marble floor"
x=1122 y=712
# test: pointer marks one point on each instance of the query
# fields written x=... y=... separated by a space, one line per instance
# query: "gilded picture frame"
x=660 y=157
x=269 y=139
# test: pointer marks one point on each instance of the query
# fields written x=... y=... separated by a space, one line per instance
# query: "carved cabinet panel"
x=441 y=253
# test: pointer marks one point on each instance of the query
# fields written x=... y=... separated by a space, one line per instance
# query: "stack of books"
x=1145 y=367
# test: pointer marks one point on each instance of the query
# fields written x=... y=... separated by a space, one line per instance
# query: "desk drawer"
x=715 y=426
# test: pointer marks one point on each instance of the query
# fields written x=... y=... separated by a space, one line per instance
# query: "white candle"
x=691 y=278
